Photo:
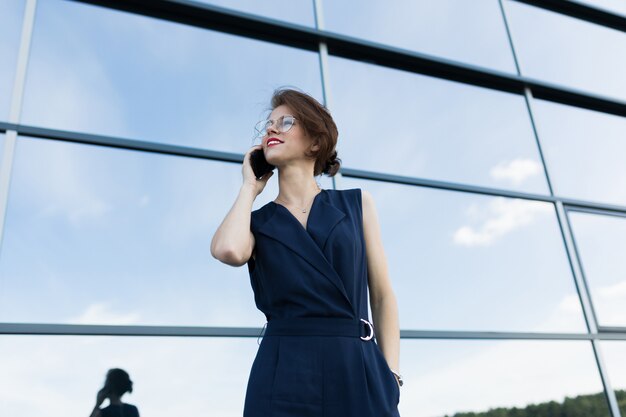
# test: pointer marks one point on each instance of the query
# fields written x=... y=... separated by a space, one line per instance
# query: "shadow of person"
x=116 y=384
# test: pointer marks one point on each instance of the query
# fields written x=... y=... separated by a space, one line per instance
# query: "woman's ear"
x=316 y=145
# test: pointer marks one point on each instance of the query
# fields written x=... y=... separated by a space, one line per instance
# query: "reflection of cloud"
x=505 y=215
x=613 y=291
x=101 y=313
x=515 y=171
x=61 y=183
x=609 y=302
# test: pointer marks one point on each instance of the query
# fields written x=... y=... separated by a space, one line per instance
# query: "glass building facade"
x=491 y=133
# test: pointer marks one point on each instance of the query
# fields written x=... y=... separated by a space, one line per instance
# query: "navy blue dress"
x=315 y=358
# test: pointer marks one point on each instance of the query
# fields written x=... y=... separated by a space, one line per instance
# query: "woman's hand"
x=101 y=396
x=249 y=179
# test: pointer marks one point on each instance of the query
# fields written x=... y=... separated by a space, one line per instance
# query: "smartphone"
x=259 y=164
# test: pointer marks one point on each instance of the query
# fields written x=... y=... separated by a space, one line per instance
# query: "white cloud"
x=101 y=313
x=504 y=216
x=515 y=171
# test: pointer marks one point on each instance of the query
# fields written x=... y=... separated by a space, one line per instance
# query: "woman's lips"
x=273 y=141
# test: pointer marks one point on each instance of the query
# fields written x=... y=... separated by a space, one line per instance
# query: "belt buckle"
x=371 y=330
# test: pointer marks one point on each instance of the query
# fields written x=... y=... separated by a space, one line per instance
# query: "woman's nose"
x=272 y=129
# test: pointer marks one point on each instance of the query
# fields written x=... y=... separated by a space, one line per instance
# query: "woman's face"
x=292 y=144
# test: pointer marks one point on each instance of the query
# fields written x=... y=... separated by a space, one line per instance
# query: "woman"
x=312 y=254
x=116 y=384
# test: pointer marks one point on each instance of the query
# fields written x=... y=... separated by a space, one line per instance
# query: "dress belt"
x=320 y=326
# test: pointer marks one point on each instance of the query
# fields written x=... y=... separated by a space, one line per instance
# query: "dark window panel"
x=293 y=11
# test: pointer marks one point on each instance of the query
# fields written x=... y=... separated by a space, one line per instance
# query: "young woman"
x=312 y=254
x=116 y=384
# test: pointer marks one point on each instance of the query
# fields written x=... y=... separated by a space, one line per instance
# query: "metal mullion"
x=581 y=11
x=589 y=311
x=604 y=375
x=323 y=59
x=178 y=150
x=229 y=331
x=570 y=244
x=10 y=140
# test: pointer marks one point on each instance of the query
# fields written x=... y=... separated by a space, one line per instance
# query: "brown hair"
x=317 y=124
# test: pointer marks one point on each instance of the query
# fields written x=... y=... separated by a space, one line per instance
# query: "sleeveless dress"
x=311 y=284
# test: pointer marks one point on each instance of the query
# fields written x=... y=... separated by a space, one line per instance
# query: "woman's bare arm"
x=233 y=242
x=382 y=298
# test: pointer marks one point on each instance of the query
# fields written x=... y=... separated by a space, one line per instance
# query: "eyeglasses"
x=283 y=124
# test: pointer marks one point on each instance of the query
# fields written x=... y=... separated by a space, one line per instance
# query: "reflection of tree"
x=593 y=405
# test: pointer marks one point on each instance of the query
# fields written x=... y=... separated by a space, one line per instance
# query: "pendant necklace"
x=302 y=209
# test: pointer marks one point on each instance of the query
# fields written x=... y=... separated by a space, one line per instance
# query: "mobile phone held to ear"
x=259 y=164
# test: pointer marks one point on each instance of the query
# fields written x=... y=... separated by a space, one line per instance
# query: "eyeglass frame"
x=261 y=134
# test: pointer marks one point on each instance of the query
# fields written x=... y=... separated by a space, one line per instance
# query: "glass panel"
x=585 y=156
x=10 y=30
x=564 y=50
x=293 y=11
x=442 y=28
x=137 y=77
x=614 y=352
x=446 y=377
x=612 y=6
x=461 y=261
x=601 y=242
x=97 y=235
x=1 y=148
x=427 y=127
x=195 y=376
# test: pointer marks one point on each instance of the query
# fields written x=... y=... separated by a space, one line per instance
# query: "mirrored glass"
x=500 y=377
x=96 y=235
x=614 y=352
x=470 y=32
x=568 y=51
x=601 y=243
x=408 y=124
x=11 y=16
x=461 y=261
x=585 y=155
x=120 y=74
x=47 y=376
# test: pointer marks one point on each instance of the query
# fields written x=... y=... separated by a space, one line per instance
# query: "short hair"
x=317 y=123
x=118 y=381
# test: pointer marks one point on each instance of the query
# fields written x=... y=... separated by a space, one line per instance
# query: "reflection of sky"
x=568 y=51
x=97 y=235
x=585 y=155
x=439 y=28
x=601 y=243
x=10 y=29
x=468 y=262
x=144 y=78
x=427 y=127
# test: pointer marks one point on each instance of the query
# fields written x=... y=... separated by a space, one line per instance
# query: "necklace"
x=303 y=209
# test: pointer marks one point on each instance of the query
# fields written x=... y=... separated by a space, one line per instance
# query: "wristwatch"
x=398 y=377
